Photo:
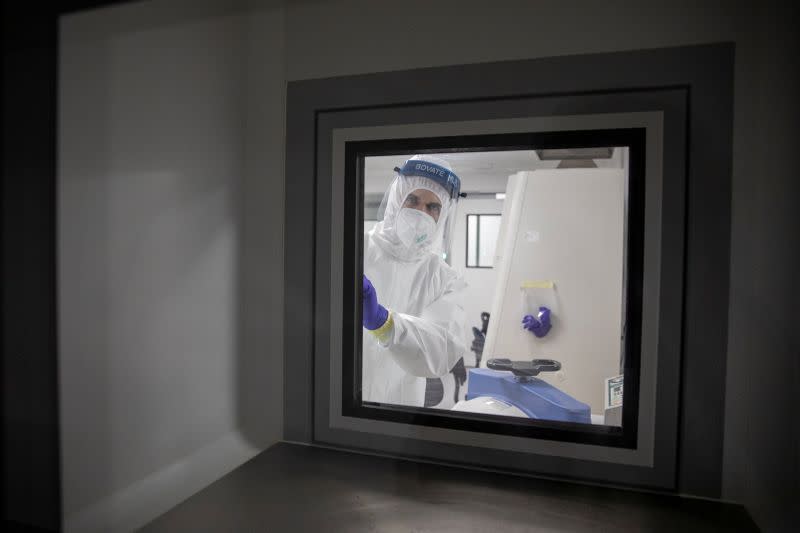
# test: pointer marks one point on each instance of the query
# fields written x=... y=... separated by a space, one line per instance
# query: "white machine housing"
x=566 y=226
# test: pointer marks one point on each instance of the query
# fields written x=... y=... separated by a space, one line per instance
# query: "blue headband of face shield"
x=442 y=176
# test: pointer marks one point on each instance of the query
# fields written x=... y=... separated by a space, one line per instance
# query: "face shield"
x=408 y=221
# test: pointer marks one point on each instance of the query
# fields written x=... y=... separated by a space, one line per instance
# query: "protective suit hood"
x=385 y=232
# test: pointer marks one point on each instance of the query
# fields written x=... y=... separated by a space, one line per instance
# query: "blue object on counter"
x=534 y=397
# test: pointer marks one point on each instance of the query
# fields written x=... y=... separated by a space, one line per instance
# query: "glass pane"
x=553 y=294
x=489 y=229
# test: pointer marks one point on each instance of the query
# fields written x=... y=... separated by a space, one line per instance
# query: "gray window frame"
x=692 y=87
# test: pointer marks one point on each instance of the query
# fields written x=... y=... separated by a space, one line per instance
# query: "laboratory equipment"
x=511 y=388
x=561 y=245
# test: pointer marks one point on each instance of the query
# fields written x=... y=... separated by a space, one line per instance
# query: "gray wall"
x=762 y=440
x=172 y=200
x=170 y=237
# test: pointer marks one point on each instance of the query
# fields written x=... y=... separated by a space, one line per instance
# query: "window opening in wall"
x=482 y=231
x=518 y=332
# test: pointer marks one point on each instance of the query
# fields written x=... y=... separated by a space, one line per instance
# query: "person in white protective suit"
x=413 y=313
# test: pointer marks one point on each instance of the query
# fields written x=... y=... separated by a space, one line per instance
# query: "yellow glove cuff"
x=384 y=333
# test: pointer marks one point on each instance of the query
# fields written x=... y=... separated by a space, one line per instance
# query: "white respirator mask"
x=415 y=229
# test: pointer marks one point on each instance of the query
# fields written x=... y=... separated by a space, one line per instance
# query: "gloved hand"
x=538 y=325
x=374 y=315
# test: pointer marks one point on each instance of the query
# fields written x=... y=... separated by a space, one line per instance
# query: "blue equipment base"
x=536 y=398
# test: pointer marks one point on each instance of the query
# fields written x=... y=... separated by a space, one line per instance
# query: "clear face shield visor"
x=433 y=196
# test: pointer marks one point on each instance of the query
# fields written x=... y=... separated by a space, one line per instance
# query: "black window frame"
x=624 y=436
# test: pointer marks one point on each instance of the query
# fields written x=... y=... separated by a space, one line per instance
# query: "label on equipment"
x=613 y=392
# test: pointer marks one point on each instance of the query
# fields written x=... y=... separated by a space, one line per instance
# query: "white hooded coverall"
x=425 y=298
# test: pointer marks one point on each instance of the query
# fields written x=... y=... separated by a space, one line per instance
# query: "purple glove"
x=374 y=315
x=538 y=325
